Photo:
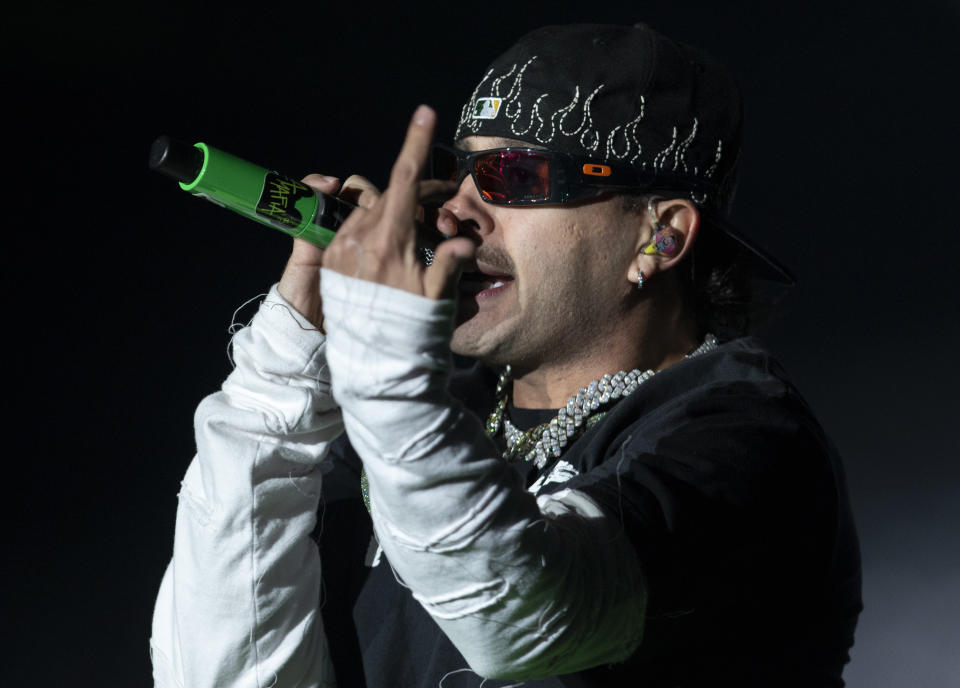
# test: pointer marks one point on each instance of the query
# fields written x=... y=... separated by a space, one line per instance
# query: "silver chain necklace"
x=582 y=411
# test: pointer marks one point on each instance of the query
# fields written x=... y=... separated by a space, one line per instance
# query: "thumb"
x=440 y=279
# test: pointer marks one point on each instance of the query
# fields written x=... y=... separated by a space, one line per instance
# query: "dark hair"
x=716 y=284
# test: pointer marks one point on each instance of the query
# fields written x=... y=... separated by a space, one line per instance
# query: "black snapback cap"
x=623 y=95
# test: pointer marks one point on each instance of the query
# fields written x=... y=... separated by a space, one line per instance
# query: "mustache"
x=495 y=258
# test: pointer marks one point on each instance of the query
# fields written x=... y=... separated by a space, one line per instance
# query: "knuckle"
x=356 y=181
x=360 y=190
x=320 y=181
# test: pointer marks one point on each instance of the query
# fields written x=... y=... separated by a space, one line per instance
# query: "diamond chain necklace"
x=582 y=411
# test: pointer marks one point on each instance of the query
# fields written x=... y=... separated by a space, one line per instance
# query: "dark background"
x=121 y=287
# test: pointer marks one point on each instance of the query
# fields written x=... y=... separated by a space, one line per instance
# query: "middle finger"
x=403 y=193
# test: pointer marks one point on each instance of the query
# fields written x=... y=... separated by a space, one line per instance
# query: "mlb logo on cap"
x=486 y=108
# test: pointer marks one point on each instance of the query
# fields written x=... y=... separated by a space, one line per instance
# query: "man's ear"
x=669 y=231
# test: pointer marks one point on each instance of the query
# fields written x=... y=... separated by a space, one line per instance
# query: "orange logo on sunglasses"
x=597 y=170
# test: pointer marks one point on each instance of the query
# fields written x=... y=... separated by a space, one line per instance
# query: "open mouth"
x=476 y=282
x=479 y=287
x=482 y=280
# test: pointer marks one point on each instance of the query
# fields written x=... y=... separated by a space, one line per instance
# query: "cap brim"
x=759 y=262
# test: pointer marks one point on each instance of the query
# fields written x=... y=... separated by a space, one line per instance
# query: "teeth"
x=474 y=285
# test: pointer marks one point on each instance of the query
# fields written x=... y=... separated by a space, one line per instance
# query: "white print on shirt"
x=561 y=473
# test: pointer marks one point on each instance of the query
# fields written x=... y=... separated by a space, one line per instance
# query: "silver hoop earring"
x=639 y=279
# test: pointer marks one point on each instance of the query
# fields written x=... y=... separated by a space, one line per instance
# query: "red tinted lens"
x=513 y=176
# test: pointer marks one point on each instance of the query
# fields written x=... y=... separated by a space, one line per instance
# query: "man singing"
x=624 y=490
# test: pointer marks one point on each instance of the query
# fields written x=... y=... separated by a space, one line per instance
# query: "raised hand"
x=379 y=243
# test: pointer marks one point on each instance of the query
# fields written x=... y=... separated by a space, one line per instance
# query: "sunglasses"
x=532 y=176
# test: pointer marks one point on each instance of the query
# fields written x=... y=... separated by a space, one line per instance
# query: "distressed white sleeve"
x=239 y=603
x=523 y=587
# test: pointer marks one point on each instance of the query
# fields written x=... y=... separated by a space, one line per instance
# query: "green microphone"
x=270 y=198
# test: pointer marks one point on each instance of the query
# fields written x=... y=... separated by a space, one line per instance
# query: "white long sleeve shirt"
x=524 y=587
x=238 y=605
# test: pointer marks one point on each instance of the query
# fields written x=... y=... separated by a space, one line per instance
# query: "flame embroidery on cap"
x=495 y=84
x=629 y=132
x=517 y=84
x=557 y=118
x=534 y=112
x=472 y=123
x=545 y=126
x=679 y=159
x=585 y=128
x=716 y=159
x=512 y=106
x=660 y=158
x=586 y=125
x=704 y=197
x=677 y=151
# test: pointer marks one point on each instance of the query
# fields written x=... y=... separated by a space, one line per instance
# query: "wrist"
x=300 y=289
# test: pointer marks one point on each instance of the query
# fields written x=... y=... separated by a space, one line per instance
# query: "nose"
x=465 y=213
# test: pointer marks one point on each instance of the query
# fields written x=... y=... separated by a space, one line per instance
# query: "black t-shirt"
x=733 y=498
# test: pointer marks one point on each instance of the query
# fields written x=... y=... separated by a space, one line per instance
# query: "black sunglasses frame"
x=573 y=178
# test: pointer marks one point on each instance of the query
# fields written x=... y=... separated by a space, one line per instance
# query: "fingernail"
x=421 y=115
x=446 y=225
x=328 y=179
